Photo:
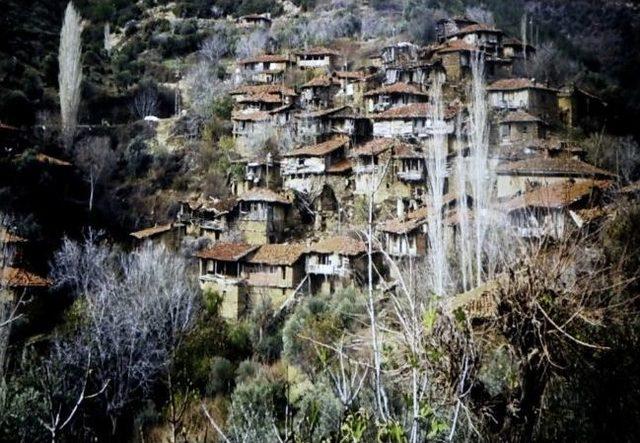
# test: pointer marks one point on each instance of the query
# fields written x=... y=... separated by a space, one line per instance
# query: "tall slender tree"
x=70 y=71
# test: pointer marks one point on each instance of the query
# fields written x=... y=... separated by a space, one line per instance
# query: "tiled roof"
x=264 y=89
x=150 y=232
x=47 y=159
x=261 y=98
x=220 y=205
x=563 y=166
x=519 y=117
x=374 y=147
x=478 y=27
x=263 y=195
x=226 y=251
x=343 y=165
x=278 y=254
x=412 y=222
x=351 y=75
x=555 y=196
x=318 y=50
x=266 y=58
x=512 y=84
x=413 y=110
x=322 y=112
x=340 y=244
x=405 y=150
x=321 y=81
x=257 y=116
x=21 y=278
x=456 y=46
x=397 y=88
x=321 y=149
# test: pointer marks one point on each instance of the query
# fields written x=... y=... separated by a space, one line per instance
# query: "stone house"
x=276 y=272
x=448 y=26
x=393 y=96
x=413 y=72
x=304 y=169
x=579 y=108
x=210 y=219
x=352 y=87
x=552 y=211
x=319 y=92
x=480 y=35
x=520 y=127
x=335 y=262
x=249 y=125
x=517 y=177
x=317 y=126
x=351 y=124
x=261 y=216
x=455 y=57
x=254 y=21
x=317 y=58
x=526 y=94
x=169 y=234
x=409 y=121
x=258 y=102
x=402 y=51
x=265 y=68
x=258 y=172
x=286 y=94
x=519 y=54
x=406 y=236
x=222 y=269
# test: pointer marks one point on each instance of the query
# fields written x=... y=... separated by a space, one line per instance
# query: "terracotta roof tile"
x=413 y=221
x=562 y=166
x=414 y=110
x=321 y=81
x=226 y=251
x=343 y=165
x=318 y=50
x=257 y=116
x=21 y=278
x=512 y=84
x=321 y=149
x=340 y=244
x=150 y=232
x=397 y=88
x=478 y=27
x=374 y=147
x=556 y=196
x=455 y=46
x=264 y=89
x=351 y=75
x=261 y=98
x=278 y=254
x=266 y=58
x=322 y=112
x=519 y=117
x=263 y=195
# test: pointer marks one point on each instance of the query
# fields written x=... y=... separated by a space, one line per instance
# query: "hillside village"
x=264 y=227
x=294 y=223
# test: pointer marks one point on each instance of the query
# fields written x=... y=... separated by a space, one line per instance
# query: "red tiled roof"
x=284 y=254
x=321 y=81
x=405 y=150
x=563 y=166
x=374 y=147
x=343 y=165
x=322 y=112
x=150 y=232
x=263 y=195
x=555 y=196
x=397 y=88
x=478 y=27
x=351 y=75
x=318 y=50
x=513 y=84
x=264 y=89
x=340 y=244
x=413 y=110
x=456 y=46
x=519 y=117
x=226 y=251
x=321 y=149
x=261 y=98
x=21 y=278
x=412 y=222
x=266 y=58
x=257 y=116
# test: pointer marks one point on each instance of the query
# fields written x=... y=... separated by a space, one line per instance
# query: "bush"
x=221 y=377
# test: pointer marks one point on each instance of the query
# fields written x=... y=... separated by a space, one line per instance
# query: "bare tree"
x=480 y=14
x=70 y=71
x=145 y=102
x=138 y=307
x=214 y=48
x=96 y=158
x=252 y=44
